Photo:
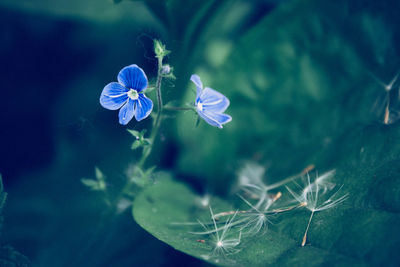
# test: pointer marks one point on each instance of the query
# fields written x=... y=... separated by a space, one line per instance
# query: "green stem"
x=157 y=121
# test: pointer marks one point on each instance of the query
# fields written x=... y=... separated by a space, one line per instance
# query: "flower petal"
x=196 y=80
x=113 y=103
x=215 y=119
x=114 y=89
x=213 y=101
x=113 y=96
x=133 y=77
x=127 y=112
x=143 y=108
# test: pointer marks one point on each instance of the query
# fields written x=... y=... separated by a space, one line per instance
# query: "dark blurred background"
x=56 y=58
x=295 y=88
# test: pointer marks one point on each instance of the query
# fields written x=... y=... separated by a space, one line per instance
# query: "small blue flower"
x=210 y=104
x=128 y=95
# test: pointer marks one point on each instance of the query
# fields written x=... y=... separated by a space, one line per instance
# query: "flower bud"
x=166 y=69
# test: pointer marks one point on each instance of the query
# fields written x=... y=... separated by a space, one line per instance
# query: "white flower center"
x=133 y=94
x=220 y=244
x=199 y=106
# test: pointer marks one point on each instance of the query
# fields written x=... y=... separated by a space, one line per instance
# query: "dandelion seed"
x=254 y=220
x=390 y=114
x=223 y=242
x=310 y=197
x=250 y=181
x=388 y=86
x=203 y=202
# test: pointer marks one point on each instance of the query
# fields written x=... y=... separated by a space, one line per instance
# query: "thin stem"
x=158 y=87
x=157 y=121
x=308 y=226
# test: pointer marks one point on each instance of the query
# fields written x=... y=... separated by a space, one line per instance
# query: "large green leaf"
x=361 y=231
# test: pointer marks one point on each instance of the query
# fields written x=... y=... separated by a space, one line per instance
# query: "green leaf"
x=142 y=178
x=163 y=205
x=361 y=231
x=134 y=133
x=136 y=144
x=99 y=175
x=92 y=184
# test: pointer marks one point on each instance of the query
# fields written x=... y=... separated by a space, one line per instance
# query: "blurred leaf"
x=141 y=178
x=99 y=175
x=296 y=85
x=136 y=144
x=96 y=185
x=12 y=258
x=92 y=184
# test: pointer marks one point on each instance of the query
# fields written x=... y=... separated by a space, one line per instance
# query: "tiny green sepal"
x=159 y=49
x=134 y=133
x=140 y=140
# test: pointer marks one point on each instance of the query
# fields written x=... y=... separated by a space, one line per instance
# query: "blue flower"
x=210 y=104
x=128 y=95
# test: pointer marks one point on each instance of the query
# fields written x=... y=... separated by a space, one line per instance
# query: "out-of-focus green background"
x=299 y=74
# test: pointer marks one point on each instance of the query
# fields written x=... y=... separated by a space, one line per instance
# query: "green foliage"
x=140 y=140
x=160 y=50
x=96 y=185
x=142 y=177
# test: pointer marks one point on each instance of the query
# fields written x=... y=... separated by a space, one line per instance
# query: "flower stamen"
x=199 y=106
x=133 y=94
